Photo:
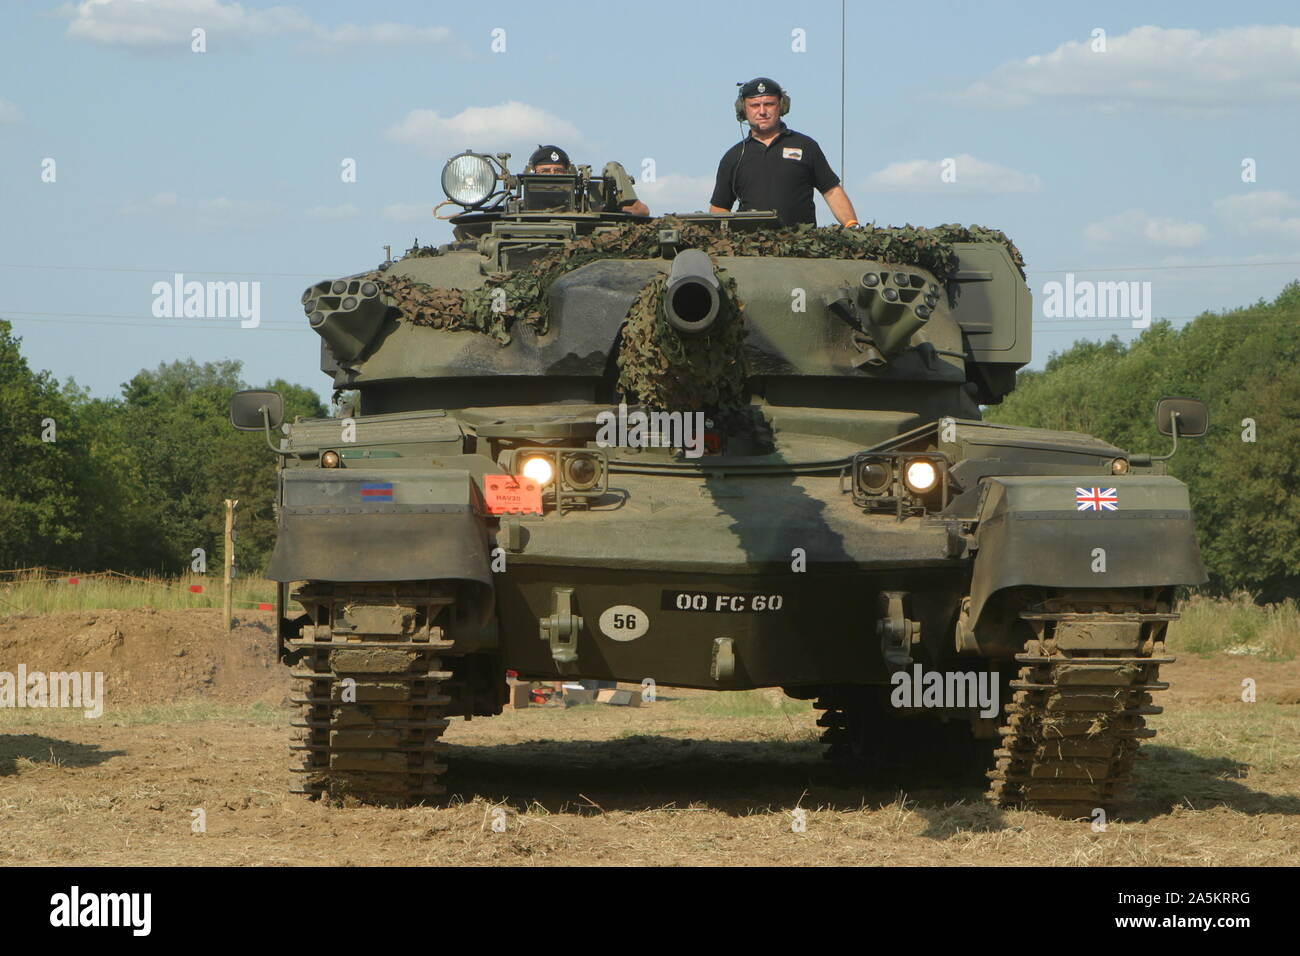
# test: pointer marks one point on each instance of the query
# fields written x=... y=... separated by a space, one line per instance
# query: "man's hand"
x=637 y=208
x=841 y=206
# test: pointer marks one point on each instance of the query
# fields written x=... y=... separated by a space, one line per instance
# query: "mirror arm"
x=266 y=430
x=1173 y=430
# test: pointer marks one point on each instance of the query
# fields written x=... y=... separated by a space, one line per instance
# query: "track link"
x=371 y=705
x=1072 y=727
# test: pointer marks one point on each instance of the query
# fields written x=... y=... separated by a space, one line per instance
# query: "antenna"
x=842 y=21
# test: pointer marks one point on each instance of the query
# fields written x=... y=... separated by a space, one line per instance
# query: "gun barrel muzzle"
x=693 y=294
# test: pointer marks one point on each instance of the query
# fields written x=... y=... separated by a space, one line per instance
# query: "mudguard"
x=401 y=525
x=1044 y=531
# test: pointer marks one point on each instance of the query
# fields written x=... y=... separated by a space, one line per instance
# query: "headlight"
x=875 y=476
x=920 y=476
x=581 y=472
x=330 y=459
x=468 y=179
x=1119 y=466
x=539 y=469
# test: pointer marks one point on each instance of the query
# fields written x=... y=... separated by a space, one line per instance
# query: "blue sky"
x=225 y=165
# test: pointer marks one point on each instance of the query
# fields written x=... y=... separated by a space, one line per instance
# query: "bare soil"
x=695 y=778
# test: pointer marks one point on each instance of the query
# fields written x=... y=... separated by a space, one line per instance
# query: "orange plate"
x=506 y=494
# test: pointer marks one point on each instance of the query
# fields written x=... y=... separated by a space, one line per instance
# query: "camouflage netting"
x=665 y=371
x=526 y=290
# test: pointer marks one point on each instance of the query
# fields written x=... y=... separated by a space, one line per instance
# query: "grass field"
x=46 y=591
x=1237 y=625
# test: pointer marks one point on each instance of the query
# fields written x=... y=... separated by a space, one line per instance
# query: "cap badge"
x=762 y=87
x=555 y=156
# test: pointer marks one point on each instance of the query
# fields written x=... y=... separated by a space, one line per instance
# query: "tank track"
x=1069 y=733
x=1075 y=720
x=376 y=739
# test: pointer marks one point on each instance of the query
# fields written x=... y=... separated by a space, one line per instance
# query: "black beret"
x=761 y=86
x=548 y=154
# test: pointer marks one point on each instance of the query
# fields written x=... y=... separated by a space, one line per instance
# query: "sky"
x=1149 y=143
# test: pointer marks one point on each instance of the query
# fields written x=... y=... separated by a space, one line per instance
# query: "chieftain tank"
x=708 y=451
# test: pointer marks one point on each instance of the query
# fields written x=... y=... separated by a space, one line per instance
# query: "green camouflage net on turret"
x=664 y=371
x=522 y=295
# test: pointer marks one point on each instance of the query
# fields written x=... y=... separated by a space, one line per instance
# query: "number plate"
x=505 y=494
x=747 y=602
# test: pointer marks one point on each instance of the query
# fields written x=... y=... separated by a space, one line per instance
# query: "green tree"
x=39 y=479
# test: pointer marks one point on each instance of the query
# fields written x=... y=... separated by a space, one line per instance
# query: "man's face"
x=763 y=112
x=549 y=169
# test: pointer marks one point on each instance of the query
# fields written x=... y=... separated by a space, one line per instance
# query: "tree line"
x=134 y=483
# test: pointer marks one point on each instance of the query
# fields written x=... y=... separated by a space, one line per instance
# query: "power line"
x=90 y=318
x=193 y=272
x=1210 y=265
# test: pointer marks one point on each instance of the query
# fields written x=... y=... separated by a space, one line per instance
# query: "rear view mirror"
x=1193 y=417
x=246 y=409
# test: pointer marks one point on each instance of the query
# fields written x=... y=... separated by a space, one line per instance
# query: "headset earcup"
x=740 y=109
x=785 y=103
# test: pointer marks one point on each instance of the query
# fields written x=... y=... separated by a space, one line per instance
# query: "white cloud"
x=1265 y=213
x=1135 y=226
x=9 y=113
x=676 y=193
x=486 y=128
x=333 y=213
x=1155 y=65
x=408 y=212
x=163 y=23
x=972 y=176
x=167 y=25
x=204 y=214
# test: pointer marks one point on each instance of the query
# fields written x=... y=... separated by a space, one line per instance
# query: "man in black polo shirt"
x=775 y=167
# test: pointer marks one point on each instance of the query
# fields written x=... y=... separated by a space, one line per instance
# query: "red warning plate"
x=506 y=494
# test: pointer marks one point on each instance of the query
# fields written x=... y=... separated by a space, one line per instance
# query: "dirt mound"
x=153 y=657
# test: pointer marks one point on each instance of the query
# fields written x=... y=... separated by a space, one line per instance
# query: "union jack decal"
x=1096 y=499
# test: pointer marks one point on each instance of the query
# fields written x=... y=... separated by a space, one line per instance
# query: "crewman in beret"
x=774 y=167
x=553 y=161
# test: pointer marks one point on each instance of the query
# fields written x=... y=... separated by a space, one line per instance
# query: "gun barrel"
x=693 y=294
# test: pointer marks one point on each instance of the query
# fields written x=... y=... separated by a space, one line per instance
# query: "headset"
x=740 y=104
x=740 y=118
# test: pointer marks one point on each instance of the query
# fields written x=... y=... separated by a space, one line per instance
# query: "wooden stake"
x=229 y=559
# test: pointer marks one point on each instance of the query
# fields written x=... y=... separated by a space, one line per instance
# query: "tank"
x=706 y=451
